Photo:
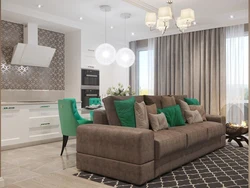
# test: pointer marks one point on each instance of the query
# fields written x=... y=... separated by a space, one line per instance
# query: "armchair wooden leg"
x=65 y=140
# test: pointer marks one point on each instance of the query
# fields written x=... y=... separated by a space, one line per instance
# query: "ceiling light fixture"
x=194 y=23
x=232 y=16
x=80 y=18
x=165 y=14
x=105 y=53
x=125 y=57
x=133 y=34
x=111 y=27
x=39 y=6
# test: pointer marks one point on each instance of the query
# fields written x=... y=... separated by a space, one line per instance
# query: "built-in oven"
x=90 y=77
x=90 y=86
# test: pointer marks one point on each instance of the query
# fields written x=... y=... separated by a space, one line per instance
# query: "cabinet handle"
x=45 y=124
x=44 y=106
x=9 y=108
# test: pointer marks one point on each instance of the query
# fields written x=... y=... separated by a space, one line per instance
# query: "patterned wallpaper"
x=27 y=77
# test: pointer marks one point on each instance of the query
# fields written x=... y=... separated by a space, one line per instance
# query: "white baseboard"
x=1 y=182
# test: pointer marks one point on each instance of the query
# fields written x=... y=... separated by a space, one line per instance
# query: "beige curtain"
x=193 y=64
x=134 y=69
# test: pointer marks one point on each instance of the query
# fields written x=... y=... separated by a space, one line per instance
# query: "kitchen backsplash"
x=28 y=77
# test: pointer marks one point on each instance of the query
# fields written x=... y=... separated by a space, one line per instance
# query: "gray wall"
x=27 y=77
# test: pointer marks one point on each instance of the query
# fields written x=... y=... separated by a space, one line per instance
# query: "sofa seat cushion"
x=214 y=129
x=195 y=134
x=168 y=141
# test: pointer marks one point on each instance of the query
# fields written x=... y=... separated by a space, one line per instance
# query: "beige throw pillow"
x=141 y=115
x=167 y=101
x=193 y=117
x=158 y=121
x=201 y=110
x=184 y=107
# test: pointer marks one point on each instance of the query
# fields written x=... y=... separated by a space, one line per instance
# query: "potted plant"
x=120 y=91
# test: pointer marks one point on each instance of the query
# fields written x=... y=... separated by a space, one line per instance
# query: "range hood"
x=30 y=53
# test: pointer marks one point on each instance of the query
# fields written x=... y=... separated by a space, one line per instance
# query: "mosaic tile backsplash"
x=28 y=77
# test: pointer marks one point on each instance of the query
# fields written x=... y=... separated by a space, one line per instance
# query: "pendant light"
x=105 y=53
x=125 y=57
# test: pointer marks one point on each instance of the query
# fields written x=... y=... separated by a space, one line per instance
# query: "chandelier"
x=165 y=14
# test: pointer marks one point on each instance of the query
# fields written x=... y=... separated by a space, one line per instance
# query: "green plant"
x=120 y=91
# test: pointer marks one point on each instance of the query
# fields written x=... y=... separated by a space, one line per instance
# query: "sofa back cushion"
x=179 y=97
x=151 y=99
x=110 y=107
x=167 y=101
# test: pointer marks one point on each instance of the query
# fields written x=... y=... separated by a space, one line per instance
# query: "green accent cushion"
x=173 y=115
x=125 y=112
x=191 y=101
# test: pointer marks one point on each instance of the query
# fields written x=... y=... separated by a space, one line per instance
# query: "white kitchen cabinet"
x=30 y=122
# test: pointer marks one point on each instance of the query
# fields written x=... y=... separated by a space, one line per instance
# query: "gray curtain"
x=134 y=69
x=193 y=64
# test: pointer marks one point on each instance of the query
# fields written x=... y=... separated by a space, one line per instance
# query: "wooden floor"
x=42 y=167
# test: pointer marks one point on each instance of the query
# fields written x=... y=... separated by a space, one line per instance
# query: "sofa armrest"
x=131 y=145
x=216 y=118
x=100 y=117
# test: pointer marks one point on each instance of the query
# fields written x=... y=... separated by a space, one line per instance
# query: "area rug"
x=226 y=167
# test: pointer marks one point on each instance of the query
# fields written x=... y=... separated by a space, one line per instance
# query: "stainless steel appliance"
x=90 y=85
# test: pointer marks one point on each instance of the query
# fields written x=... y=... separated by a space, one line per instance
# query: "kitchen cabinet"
x=29 y=123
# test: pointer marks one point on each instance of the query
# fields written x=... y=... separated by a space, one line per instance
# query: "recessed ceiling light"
x=232 y=16
x=194 y=23
x=111 y=27
x=80 y=18
x=39 y=6
x=132 y=34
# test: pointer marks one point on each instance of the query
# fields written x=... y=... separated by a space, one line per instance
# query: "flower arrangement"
x=120 y=91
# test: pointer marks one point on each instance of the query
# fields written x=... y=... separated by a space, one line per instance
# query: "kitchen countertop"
x=30 y=103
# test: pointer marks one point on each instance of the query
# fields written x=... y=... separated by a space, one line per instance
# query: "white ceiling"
x=209 y=14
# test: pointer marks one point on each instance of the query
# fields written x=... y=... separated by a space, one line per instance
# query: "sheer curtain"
x=237 y=74
x=142 y=72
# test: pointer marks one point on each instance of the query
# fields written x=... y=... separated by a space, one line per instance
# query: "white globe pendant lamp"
x=125 y=57
x=105 y=53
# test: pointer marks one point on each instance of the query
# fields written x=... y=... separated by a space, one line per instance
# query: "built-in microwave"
x=90 y=77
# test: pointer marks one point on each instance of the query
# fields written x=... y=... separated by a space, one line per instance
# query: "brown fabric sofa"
x=138 y=155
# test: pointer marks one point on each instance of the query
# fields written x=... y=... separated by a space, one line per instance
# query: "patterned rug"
x=227 y=167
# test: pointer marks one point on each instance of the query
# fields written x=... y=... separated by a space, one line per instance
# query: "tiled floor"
x=42 y=166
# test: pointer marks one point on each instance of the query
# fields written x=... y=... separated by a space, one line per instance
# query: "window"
x=237 y=78
x=143 y=73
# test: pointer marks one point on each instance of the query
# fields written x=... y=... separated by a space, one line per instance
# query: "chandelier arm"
x=173 y=16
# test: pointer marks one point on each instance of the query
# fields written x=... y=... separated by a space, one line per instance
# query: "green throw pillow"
x=191 y=101
x=125 y=111
x=173 y=115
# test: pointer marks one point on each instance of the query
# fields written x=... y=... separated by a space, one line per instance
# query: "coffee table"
x=236 y=133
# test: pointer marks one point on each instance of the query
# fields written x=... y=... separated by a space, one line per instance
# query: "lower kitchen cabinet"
x=30 y=123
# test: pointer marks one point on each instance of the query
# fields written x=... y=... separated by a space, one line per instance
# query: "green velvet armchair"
x=70 y=119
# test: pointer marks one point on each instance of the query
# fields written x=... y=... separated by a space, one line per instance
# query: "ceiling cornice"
x=142 y=5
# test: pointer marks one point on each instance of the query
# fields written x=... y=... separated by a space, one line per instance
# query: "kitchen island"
x=31 y=122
